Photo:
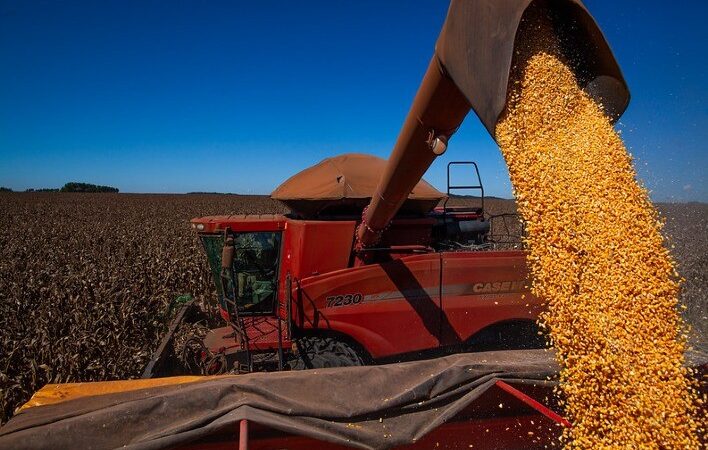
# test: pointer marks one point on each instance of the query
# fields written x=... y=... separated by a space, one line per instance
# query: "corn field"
x=87 y=280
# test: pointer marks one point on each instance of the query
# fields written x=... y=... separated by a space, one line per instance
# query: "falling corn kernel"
x=598 y=261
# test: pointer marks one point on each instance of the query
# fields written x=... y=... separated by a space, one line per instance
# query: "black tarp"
x=366 y=407
x=338 y=405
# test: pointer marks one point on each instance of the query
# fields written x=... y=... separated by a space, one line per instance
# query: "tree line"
x=70 y=187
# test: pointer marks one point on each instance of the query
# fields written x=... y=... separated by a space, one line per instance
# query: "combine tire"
x=316 y=352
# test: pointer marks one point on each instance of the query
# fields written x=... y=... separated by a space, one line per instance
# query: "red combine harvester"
x=312 y=289
x=365 y=270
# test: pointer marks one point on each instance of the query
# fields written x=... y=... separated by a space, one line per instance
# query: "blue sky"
x=237 y=96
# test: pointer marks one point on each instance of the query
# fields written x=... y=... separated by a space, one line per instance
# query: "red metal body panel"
x=401 y=310
x=302 y=255
x=483 y=288
x=314 y=247
x=399 y=306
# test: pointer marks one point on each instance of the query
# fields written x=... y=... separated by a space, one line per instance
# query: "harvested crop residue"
x=86 y=280
x=597 y=257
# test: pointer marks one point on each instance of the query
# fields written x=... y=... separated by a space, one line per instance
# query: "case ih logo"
x=499 y=287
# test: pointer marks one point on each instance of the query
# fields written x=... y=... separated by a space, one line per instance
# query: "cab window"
x=254 y=276
x=256 y=270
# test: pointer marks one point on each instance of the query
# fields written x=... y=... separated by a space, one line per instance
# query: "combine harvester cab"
x=372 y=271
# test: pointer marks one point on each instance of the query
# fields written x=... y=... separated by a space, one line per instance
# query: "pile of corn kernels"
x=597 y=258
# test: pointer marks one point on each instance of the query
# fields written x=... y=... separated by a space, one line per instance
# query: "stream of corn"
x=598 y=259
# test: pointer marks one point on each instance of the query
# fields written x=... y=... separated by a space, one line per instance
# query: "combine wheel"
x=315 y=352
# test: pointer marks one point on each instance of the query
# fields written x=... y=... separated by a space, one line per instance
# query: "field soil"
x=87 y=280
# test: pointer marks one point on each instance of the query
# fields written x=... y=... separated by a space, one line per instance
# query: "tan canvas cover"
x=348 y=179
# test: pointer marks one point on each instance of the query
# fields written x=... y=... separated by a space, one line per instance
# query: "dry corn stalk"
x=597 y=257
x=85 y=280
